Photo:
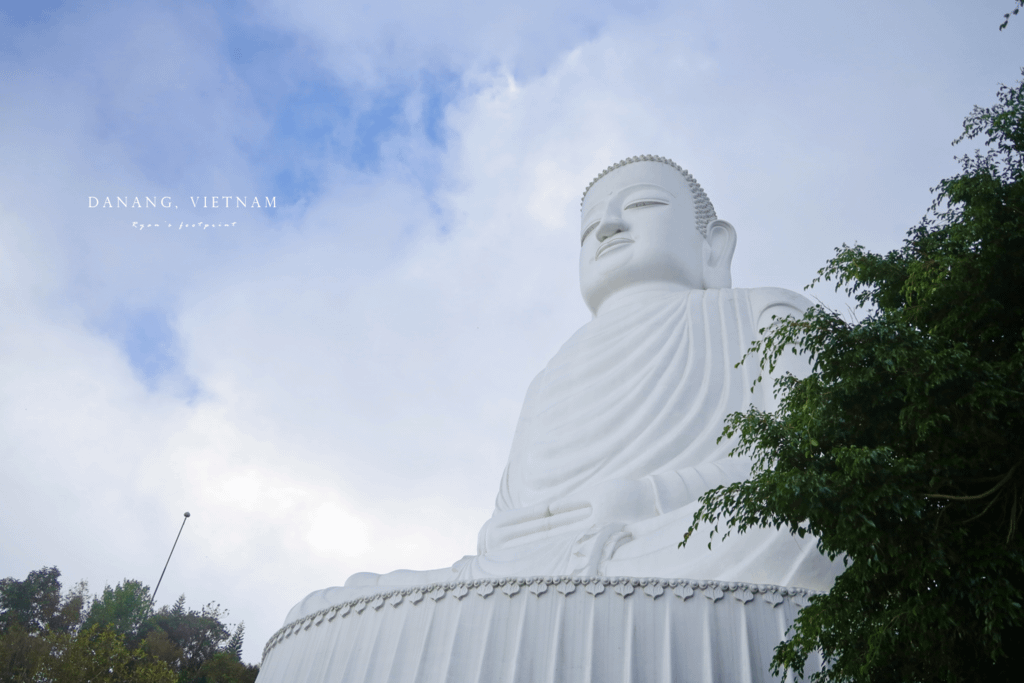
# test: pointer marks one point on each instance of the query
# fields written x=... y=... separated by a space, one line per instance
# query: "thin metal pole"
x=153 y=597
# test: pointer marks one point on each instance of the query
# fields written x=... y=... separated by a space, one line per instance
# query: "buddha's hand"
x=617 y=501
x=513 y=527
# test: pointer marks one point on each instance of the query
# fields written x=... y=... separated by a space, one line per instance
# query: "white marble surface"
x=618 y=435
x=542 y=630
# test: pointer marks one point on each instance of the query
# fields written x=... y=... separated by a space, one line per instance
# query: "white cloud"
x=372 y=44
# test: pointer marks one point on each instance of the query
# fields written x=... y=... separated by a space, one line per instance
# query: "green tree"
x=36 y=604
x=122 y=608
x=31 y=611
x=99 y=655
x=50 y=635
x=902 y=451
x=198 y=644
x=224 y=667
x=234 y=644
x=20 y=654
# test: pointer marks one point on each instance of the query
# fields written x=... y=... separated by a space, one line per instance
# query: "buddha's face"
x=638 y=226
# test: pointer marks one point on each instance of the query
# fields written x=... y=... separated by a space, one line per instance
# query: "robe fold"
x=642 y=393
x=639 y=394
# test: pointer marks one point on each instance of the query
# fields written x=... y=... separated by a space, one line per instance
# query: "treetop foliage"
x=122 y=608
x=47 y=635
x=36 y=605
x=902 y=450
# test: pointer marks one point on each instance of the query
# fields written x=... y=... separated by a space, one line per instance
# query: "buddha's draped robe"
x=642 y=393
x=639 y=393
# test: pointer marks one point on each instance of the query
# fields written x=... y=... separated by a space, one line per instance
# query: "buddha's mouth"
x=612 y=243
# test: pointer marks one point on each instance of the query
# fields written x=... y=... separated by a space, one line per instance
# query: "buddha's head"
x=647 y=220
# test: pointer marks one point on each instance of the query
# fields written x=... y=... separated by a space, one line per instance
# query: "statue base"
x=541 y=629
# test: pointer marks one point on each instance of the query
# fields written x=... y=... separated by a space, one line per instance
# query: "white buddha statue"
x=618 y=436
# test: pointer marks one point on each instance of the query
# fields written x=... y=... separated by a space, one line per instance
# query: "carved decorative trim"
x=626 y=587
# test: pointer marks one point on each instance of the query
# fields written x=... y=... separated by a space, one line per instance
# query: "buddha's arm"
x=773 y=304
x=508 y=520
x=505 y=499
x=675 y=489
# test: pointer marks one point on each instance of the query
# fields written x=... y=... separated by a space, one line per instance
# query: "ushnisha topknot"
x=703 y=209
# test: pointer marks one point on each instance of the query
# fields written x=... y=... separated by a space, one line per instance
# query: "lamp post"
x=153 y=597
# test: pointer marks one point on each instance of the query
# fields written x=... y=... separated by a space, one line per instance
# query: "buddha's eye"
x=644 y=203
x=590 y=229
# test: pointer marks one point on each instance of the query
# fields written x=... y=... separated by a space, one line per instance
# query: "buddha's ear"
x=719 y=245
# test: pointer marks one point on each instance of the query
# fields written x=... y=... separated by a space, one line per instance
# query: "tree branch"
x=1002 y=482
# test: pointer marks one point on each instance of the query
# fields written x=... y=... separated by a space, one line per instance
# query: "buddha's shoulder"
x=767 y=303
x=767 y=297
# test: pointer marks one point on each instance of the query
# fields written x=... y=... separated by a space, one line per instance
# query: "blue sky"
x=331 y=385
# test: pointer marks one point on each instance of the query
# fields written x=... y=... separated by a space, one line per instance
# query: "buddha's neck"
x=639 y=294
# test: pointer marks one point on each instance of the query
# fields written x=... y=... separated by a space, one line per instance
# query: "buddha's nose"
x=610 y=225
